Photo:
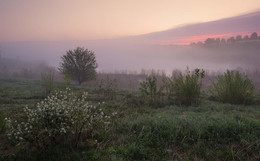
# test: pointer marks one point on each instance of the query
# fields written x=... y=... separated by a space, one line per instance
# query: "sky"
x=62 y=20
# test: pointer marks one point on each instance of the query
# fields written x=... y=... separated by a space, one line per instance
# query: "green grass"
x=211 y=131
x=194 y=133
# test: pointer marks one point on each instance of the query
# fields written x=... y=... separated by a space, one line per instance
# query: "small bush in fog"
x=80 y=64
x=149 y=91
x=47 y=80
x=233 y=87
x=60 y=118
x=187 y=87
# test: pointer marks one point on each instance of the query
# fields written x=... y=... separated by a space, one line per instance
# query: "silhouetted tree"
x=254 y=36
x=231 y=40
x=217 y=40
x=209 y=41
x=200 y=43
x=239 y=38
x=223 y=41
x=246 y=38
x=80 y=64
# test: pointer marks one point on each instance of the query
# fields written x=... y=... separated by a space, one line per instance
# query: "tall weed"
x=151 y=94
x=187 y=87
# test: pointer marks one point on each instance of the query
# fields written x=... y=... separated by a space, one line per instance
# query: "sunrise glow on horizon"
x=61 y=20
x=201 y=38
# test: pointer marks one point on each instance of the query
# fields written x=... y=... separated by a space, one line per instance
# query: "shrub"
x=187 y=87
x=149 y=91
x=234 y=88
x=59 y=118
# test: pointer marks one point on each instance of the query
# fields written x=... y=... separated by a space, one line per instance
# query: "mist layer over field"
x=120 y=56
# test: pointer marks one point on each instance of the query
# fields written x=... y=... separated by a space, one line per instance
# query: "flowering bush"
x=61 y=115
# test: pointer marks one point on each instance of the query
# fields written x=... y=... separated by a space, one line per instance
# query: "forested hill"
x=238 y=40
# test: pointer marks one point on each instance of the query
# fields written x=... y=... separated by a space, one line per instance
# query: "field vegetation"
x=159 y=118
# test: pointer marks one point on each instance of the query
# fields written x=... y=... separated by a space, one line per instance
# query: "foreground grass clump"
x=164 y=137
x=234 y=88
x=61 y=118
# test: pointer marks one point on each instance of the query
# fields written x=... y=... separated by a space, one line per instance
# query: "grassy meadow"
x=167 y=130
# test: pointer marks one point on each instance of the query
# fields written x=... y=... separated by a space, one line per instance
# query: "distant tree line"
x=218 y=41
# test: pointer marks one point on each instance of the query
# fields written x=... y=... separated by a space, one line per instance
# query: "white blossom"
x=63 y=110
